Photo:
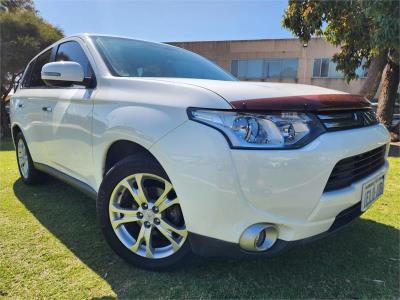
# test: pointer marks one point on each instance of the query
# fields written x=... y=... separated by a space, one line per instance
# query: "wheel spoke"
x=147 y=238
x=165 y=225
x=20 y=148
x=167 y=203
x=141 y=198
x=128 y=212
x=163 y=197
x=169 y=237
x=147 y=216
x=139 y=239
x=117 y=222
x=137 y=194
x=125 y=183
x=163 y=202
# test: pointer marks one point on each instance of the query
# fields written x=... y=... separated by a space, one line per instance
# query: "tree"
x=23 y=35
x=367 y=34
x=375 y=72
x=12 y=5
x=388 y=93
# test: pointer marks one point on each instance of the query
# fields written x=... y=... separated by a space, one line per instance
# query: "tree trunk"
x=4 y=120
x=5 y=130
x=387 y=97
x=375 y=71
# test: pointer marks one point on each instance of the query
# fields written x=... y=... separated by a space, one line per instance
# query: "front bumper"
x=206 y=246
x=224 y=191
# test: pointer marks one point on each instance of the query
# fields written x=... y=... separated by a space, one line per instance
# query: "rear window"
x=27 y=75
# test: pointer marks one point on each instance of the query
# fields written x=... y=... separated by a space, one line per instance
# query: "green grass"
x=51 y=247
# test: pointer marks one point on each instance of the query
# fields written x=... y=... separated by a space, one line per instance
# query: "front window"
x=72 y=51
x=132 y=58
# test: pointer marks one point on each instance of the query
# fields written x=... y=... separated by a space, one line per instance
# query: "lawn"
x=51 y=247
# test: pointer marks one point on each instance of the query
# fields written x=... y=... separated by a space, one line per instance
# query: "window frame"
x=114 y=73
x=321 y=59
x=83 y=50
x=27 y=76
x=330 y=63
x=54 y=50
x=235 y=63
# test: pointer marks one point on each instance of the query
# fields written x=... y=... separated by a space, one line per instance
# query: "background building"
x=279 y=60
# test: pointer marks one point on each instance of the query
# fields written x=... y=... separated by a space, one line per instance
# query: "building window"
x=326 y=68
x=361 y=72
x=265 y=68
x=288 y=68
x=250 y=69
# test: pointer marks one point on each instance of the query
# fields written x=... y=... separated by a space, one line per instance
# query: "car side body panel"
x=70 y=146
x=141 y=111
x=27 y=111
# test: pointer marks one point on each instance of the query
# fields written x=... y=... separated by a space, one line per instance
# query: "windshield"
x=132 y=58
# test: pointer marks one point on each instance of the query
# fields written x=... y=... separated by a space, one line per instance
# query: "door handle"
x=47 y=108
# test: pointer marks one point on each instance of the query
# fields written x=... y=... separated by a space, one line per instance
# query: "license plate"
x=371 y=191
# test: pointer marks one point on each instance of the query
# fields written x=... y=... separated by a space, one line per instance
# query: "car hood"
x=246 y=95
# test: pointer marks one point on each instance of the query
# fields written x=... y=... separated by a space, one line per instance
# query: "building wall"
x=223 y=52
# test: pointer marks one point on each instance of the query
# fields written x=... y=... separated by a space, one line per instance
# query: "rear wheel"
x=28 y=172
x=140 y=214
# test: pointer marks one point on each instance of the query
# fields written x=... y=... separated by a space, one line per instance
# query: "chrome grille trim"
x=347 y=119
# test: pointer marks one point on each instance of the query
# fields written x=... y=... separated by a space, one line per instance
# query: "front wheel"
x=140 y=214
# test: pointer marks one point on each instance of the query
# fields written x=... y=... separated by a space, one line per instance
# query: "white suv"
x=182 y=157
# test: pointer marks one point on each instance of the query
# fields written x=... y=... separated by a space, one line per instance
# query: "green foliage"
x=13 y=5
x=361 y=28
x=23 y=35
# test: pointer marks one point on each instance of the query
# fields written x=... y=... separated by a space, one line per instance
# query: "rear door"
x=28 y=108
x=70 y=146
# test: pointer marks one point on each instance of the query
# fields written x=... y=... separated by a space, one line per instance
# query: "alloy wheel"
x=146 y=217
x=22 y=155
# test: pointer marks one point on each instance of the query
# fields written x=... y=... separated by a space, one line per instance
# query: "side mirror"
x=66 y=71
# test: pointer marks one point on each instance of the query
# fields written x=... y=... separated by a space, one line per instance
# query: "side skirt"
x=79 y=185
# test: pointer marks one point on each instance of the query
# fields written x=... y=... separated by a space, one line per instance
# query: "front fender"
x=140 y=123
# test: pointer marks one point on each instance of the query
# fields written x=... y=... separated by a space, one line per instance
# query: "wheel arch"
x=15 y=129
x=120 y=149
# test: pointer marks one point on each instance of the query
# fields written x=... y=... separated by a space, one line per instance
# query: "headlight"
x=281 y=130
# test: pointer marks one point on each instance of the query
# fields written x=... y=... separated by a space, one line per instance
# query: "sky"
x=169 y=20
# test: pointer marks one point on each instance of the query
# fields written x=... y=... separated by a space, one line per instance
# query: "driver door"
x=70 y=147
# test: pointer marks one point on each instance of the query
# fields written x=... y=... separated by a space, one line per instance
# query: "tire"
x=29 y=174
x=142 y=244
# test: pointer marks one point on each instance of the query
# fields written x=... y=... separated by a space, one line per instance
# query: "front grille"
x=334 y=121
x=354 y=168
